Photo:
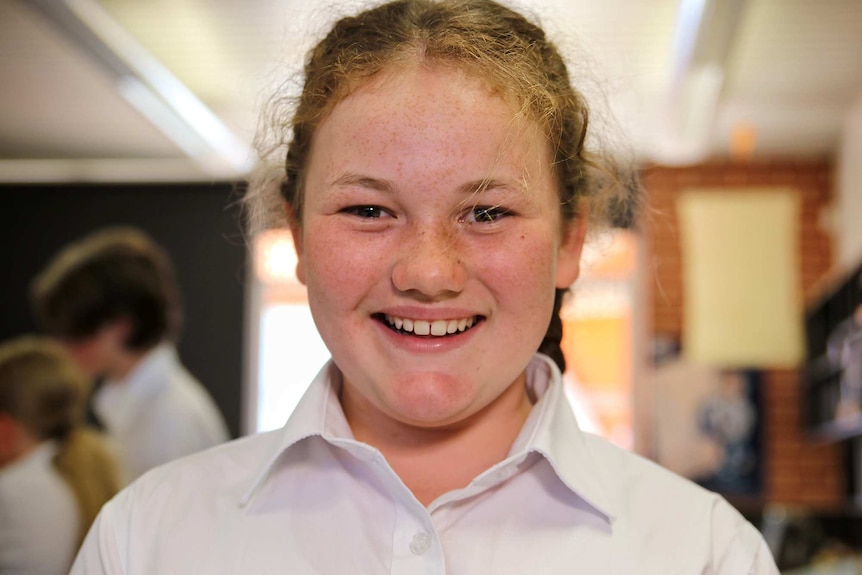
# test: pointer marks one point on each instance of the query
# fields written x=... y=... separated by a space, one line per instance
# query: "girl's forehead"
x=413 y=69
x=429 y=127
x=435 y=101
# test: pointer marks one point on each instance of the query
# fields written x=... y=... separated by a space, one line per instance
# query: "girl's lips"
x=429 y=328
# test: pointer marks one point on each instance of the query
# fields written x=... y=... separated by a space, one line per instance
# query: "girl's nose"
x=430 y=263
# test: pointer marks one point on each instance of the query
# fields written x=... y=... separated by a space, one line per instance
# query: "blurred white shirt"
x=39 y=517
x=158 y=413
x=311 y=499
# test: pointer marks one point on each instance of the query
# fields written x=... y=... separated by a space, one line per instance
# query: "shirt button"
x=420 y=543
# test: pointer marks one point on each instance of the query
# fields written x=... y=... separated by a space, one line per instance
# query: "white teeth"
x=437 y=328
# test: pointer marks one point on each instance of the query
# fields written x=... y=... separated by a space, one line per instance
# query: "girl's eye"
x=365 y=212
x=486 y=214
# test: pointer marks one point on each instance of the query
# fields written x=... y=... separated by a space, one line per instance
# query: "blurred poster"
x=741 y=277
x=708 y=426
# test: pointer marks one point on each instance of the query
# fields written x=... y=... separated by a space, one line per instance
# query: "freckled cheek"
x=523 y=288
x=338 y=265
x=526 y=266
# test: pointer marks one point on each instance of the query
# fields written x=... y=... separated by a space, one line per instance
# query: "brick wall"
x=798 y=471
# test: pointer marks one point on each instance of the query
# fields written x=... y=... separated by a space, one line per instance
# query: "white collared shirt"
x=158 y=413
x=39 y=517
x=311 y=499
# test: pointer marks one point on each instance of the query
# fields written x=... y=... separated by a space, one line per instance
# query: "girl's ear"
x=296 y=233
x=569 y=252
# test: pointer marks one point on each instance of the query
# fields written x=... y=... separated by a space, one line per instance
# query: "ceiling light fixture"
x=703 y=40
x=150 y=87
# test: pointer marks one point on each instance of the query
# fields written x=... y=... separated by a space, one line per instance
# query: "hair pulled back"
x=42 y=389
x=483 y=38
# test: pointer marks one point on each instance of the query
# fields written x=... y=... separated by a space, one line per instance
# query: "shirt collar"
x=117 y=401
x=317 y=413
x=550 y=431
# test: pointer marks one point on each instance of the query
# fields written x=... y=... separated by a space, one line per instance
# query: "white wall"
x=849 y=190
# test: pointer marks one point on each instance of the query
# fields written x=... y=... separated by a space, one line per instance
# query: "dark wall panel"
x=198 y=224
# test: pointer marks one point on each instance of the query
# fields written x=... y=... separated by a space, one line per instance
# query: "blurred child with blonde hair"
x=55 y=473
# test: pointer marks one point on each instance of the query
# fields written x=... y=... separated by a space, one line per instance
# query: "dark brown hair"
x=110 y=274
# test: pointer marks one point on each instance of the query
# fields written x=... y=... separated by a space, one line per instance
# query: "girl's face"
x=431 y=245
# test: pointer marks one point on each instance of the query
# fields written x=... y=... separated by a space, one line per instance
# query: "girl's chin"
x=423 y=399
x=428 y=411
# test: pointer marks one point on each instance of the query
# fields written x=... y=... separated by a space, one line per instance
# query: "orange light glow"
x=274 y=257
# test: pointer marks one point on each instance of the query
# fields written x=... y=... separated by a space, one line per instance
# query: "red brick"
x=797 y=471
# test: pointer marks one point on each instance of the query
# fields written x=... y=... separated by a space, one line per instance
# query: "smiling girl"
x=437 y=187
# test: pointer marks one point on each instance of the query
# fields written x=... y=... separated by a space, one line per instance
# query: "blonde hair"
x=42 y=389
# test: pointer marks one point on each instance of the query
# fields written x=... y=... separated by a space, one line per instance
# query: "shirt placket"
x=416 y=545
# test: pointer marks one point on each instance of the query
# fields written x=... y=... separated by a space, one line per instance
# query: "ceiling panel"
x=54 y=103
x=794 y=71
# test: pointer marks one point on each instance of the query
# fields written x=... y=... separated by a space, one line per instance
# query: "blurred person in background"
x=111 y=298
x=55 y=474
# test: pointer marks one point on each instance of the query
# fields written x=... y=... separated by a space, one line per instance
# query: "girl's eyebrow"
x=351 y=179
x=467 y=189
x=479 y=186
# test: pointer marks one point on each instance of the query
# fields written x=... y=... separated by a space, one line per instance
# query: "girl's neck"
x=434 y=461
